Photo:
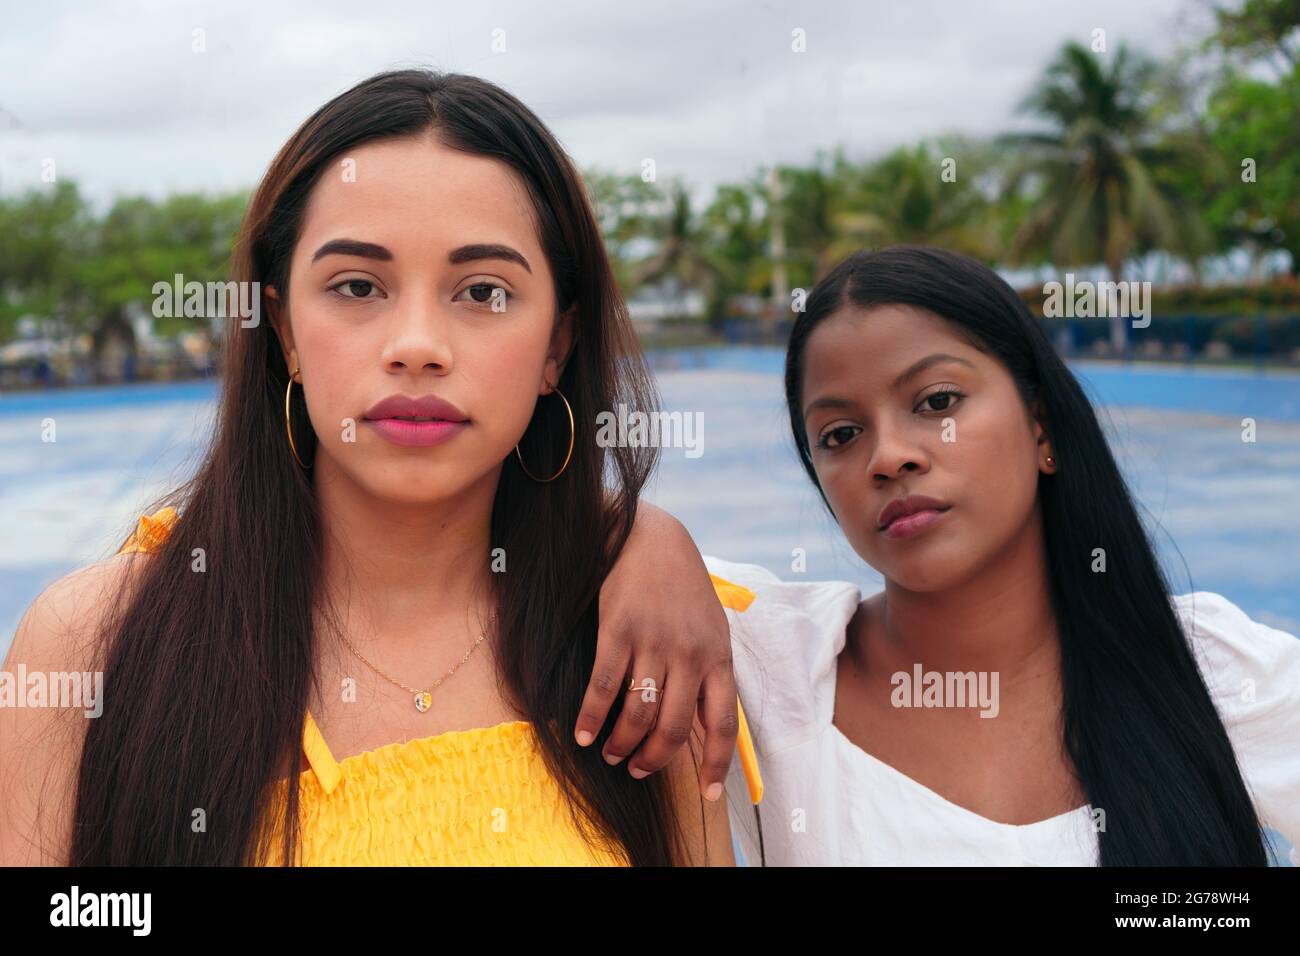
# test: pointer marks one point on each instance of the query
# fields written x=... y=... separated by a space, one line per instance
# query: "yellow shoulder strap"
x=150 y=532
x=739 y=598
x=319 y=756
x=732 y=595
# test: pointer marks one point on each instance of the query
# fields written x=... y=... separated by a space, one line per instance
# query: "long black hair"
x=1146 y=741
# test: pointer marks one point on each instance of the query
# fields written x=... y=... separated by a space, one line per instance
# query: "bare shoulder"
x=704 y=824
x=61 y=620
x=40 y=735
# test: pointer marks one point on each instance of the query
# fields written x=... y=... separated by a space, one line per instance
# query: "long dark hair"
x=1147 y=744
x=209 y=673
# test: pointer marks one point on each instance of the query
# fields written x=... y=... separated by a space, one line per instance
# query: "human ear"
x=279 y=317
x=1046 y=457
x=561 y=347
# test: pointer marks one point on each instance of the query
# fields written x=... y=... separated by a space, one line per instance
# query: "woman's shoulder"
x=58 y=643
x=736 y=582
x=1244 y=659
x=739 y=585
x=786 y=636
x=61 y=622
x=1252 y=671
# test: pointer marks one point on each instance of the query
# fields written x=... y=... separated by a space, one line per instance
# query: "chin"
x=413 y=485
x=929 y=570
x=919 y=580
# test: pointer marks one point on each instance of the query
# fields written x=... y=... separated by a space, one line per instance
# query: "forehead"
x=858 y=348
x=416 y=194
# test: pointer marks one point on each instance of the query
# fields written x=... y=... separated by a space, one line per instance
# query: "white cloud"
x=115 y=94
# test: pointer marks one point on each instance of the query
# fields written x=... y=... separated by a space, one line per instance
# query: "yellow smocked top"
x=479 y=797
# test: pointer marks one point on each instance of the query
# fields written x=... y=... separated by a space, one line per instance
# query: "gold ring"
x=647 y=688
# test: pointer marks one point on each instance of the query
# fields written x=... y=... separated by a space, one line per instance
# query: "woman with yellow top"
x=361 y=633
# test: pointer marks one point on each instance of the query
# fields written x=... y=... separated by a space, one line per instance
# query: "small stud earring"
x=1051 y=460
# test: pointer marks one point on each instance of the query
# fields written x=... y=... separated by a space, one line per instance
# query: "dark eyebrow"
x=916 y=368
x=353 y=247
x=370 y=250
x=826 y=401
x=487 y=250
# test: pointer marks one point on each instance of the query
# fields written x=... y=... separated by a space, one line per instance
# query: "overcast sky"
x=114 y=93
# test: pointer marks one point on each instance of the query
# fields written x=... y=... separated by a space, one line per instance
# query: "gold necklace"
x=423 y=698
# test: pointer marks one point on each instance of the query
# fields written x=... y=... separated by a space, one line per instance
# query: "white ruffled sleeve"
x=1253 y=673
x=751 y=576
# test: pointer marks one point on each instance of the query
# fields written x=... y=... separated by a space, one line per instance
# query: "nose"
x=419 y=335
x=896 y=454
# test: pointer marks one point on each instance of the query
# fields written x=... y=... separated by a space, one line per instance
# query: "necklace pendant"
x=423 y=701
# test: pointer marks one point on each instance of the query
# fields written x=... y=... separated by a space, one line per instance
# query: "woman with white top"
x=1024 y=691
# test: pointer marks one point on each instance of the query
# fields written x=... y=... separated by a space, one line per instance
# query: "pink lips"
x=904 y=517
x=416 y=422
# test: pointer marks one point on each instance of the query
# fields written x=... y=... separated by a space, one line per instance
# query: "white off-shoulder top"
x=827 y=802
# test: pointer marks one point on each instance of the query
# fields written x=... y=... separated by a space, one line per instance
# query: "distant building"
x=667 y=299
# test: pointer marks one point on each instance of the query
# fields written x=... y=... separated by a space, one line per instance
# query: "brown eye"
x=356 y=288
x=483 y=293
x=842 y=435
x=939 y=401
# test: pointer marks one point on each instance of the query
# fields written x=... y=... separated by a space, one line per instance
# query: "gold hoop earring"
x=568 y=455
x=288 y=428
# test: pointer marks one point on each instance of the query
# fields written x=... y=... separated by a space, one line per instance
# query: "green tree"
x=927 y=193
x=737 y=231
x=811 y=202
x=44 y=235
x=1253 y=117
x=1260 y=30
x=683 y=250
x=1094 y=171
x=1256 y=127
x=625 y=207
x=140 y=242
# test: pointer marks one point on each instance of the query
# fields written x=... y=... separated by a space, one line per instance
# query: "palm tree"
x=809 y=201
x=738 y=230
x=1096 y=168
x=684 y=252
x=905 y=197
x=625 y=207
